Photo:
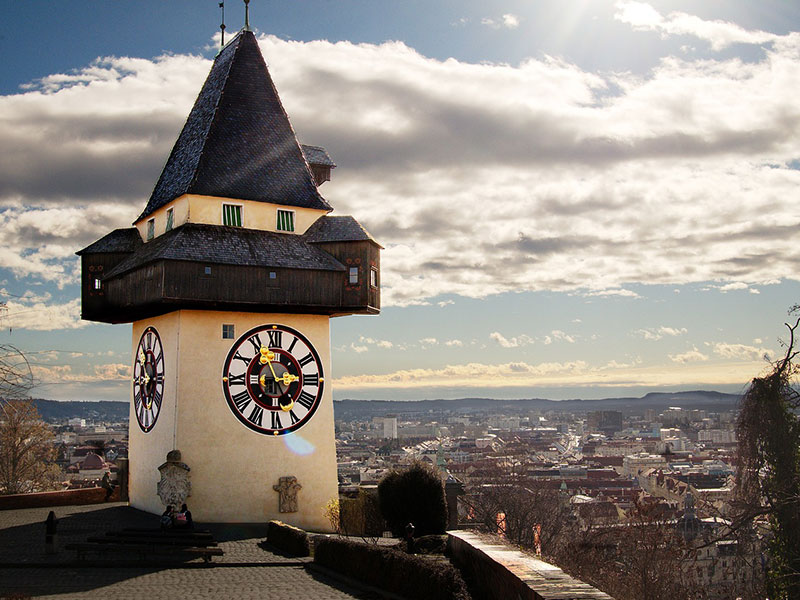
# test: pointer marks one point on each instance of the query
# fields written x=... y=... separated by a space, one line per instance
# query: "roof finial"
x=222 y=25
x=247 y=15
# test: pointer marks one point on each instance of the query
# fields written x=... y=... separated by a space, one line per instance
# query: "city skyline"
x=576 y=199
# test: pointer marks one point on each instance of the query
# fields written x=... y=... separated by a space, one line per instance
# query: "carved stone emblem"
x=174 y=487
x=287 y=489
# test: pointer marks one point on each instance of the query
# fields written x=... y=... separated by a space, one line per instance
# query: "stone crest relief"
x=287 y=489
x=174 y=486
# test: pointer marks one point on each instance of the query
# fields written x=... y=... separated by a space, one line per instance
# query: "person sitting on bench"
x=183 y=519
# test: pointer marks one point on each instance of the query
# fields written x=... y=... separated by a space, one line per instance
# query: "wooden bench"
x=144 y=551
x=151 y=544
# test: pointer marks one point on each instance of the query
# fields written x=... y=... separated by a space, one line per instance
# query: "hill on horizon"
x=116 y=411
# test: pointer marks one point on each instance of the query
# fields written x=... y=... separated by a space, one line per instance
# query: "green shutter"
x=285 y=220
x=232 y=215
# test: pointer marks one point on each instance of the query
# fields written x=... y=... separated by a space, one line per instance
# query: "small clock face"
x=148 y=379
x=272 y=379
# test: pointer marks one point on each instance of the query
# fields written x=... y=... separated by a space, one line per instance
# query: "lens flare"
x=298 y=444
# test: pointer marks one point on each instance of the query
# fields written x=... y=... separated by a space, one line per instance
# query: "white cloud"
x=454 y=343
x=720 y=34
x=41 y=316
x=740 y=351
x=693 y=355
x=506 y=21
x=595 y=182
x=621 y=293
x=561 y=336
x=63 y=374
x=514 y=342
x=571 y=373
x=659 y=332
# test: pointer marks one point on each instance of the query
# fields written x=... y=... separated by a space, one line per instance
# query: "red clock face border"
x=148 y=379
x=273 y=379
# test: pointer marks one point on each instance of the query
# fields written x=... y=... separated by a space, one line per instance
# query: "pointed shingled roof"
x=237 y=141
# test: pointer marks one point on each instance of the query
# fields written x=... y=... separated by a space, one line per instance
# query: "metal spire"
x=222 y=25
x=247 y=15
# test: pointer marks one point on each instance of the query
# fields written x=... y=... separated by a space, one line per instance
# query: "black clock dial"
x=272 y=379
x=148 y=379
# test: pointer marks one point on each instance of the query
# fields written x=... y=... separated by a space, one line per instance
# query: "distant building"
x=606 y=421
x=390 y=428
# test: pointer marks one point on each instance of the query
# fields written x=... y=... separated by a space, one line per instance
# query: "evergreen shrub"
x=287 y=538
x=392 y=571
x=414 y=495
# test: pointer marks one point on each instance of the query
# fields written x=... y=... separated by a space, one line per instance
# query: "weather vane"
x=222 y=25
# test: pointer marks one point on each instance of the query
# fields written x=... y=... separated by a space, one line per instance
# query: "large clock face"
x=272 y=379
x=148 y=379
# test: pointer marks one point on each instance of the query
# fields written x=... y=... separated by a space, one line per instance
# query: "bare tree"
x=16 y=378
x=26 y=449
x=526 y=511
x=768 y=469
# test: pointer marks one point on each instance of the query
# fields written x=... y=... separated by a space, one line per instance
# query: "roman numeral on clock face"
x=256 y=341
x=306 y=359
x=244 y=359
x=255 y=415
x=241 y=400
x=311 y=379
x=275 y=337
x=236 y=379
x=305 y=399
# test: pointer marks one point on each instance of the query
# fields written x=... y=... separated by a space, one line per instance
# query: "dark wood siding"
x=364 y=256
x=94 y=302
x=164 y=286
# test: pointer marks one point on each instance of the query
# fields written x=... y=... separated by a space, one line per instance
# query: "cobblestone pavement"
x=247 y=570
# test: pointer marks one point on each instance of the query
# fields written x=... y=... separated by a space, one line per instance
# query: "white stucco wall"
x=233 y=468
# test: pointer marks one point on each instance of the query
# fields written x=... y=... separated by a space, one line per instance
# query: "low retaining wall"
x=501 y=572
x=63 y=498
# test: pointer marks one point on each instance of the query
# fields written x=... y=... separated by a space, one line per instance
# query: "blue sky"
x=577 y=198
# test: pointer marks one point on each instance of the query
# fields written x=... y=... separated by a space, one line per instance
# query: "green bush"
x=287 y=538
x=392 y=571
x=415 y=495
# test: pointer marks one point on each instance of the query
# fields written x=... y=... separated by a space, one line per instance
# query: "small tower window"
x=151 y=229
x=285 y=220
x=97 y=284
x=373 y=277
x=228 y=331
x=170 y=219
x=353 y=275
x=232 y=215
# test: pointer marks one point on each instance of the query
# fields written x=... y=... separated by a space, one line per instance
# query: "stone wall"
x=62 y=498
x=501 y=572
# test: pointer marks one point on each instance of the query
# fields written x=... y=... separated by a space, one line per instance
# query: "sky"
x=577 y=198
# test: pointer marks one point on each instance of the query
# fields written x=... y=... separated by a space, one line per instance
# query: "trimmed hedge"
x=414 y=495
x=392 y=571
x=287 y=538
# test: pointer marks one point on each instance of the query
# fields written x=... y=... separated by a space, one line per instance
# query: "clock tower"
x=230 y=277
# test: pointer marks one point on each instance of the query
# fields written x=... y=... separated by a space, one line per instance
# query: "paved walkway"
x=247 y=570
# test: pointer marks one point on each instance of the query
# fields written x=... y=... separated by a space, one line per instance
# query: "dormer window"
x=151 y=229
x=170 y=219
x=232 y=215
x=285 y=220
